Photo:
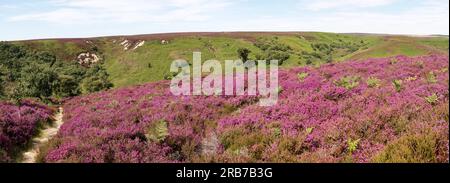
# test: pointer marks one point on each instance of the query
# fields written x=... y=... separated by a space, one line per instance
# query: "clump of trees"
x=96 y=79
x=273 y=50
x=27 y=73
x=325 y=52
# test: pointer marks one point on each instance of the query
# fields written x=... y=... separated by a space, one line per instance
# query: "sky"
x=37 y=19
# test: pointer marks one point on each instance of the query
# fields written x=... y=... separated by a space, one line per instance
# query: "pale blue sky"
x=33 y=19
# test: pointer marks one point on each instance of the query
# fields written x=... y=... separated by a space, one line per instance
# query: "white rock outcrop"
x=139 y=44
x=126 y=44
x=87 y=58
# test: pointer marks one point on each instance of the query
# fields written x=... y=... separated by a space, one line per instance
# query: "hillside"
x=342 y=98
x=375 y=110
x=131 y=60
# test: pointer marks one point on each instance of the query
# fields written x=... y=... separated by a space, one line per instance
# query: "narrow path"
x=45 y=135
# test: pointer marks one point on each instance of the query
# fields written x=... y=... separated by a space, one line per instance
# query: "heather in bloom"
x=18 y=123
x=376 y=110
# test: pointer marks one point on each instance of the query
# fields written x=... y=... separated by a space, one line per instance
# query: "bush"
x=37 y=80
x=373 y=82
x=1 y=84
x=97 y=80
x=397 y=85
x=240 y=142
x=432 y=99
x=301 y=76
x=348 y=82
x=243 y=54
x=158 y=131
x=273 y=50
x=277 y=55
x=393 y=61
x=66 y=86
x=352 y=145
x=410 y=149
x=431 y=78
x=30 y=73
x=18 y=124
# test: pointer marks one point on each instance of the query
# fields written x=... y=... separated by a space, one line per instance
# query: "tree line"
x=26 y=73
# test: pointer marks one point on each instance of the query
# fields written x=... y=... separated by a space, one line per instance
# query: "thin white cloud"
x=82 y=11
x=6 y=7
x=327 y=4
x=60 y=18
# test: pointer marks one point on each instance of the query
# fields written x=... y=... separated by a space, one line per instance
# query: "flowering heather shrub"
x=138 y=124
x=18 y=123
x=318 y=118
x=368 y=121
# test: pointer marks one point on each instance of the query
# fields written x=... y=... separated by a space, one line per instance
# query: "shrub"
x=431 y=78
x=277 y=132
x=301 y=76
x=273 y=50
x=419 y=64
x=240 y=142
x=281 y=56
x=397 y=85
x=248 y=132
x=1 y=84
x=352 y=145
x=393 y=61
x=18 y=124
x=66 y=86
x=409 y=149
x=97 y=80
x=373 y=82
x=432 y=99
x=158 y=131
x=348 y=82
x=37 y=80
x=243 y=54
x=31 y=73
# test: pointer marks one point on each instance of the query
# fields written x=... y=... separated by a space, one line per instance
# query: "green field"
x=151 y=61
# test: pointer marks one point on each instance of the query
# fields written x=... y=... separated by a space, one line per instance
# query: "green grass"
x=436 y=42
x=392 y=49
x=409 y=46
x=63 y=50
x=131 y=67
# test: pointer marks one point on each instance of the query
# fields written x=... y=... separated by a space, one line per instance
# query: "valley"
x=359 y=98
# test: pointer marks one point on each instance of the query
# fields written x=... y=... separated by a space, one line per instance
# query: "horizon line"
x=218 y=32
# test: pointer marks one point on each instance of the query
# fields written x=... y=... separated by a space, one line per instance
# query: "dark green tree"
x=243 y=54
x=97 y=79
x=66 y=86
x=277 y=55
x=37 y=80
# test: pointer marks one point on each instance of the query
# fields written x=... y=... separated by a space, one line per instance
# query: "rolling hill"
x=138 y=59
x=342 y=98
